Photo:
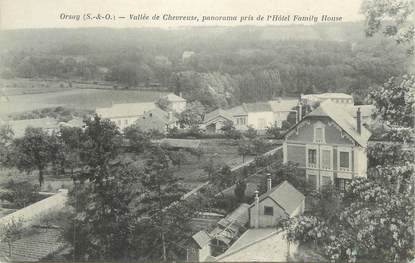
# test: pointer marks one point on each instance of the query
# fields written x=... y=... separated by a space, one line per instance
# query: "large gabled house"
x=329 y=144
x=125 y=114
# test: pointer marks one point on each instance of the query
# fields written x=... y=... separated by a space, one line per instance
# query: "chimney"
x=256 y=221
x=170 y=115
x=269 y=182
x=359 y=121
x=300 y=111
x=180 y=94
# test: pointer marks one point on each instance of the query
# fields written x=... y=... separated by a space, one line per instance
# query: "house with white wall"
x=281 y=109
x=337 y=98
x=175 y=103
x=278 y=203
x=263 y=241
x=125 y=114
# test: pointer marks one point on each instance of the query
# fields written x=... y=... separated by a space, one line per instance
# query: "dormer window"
x=319 y=134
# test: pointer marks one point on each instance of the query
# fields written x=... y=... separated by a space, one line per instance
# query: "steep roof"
x=217 y=113
x=257 y=107
x=125 y=110
x=201 y=238
x=19 y=126
x=285 y=195
x=282 y=104
x=343 y=118
x=174 y=98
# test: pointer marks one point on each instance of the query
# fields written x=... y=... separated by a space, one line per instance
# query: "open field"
x=27 y=98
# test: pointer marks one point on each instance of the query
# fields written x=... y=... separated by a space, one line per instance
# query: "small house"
x=215 y=120
x=281 y=202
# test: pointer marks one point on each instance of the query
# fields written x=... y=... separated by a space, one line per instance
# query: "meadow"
x=26 y=95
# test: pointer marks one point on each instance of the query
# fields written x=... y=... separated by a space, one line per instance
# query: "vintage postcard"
x=207 y=131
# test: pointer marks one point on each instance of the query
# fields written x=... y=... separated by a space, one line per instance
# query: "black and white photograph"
x=207 y=131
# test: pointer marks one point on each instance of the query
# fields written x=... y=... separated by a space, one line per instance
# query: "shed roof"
x=240 y=215
x=201 y=238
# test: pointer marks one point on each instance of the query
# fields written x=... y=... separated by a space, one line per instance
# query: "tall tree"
x=72 y=140
x=100 y=144
x=100 y=225
x=161 y=192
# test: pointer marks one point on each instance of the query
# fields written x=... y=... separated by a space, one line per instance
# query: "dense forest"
x=219 y=66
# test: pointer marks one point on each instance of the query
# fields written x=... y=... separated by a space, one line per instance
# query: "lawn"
x=222 y=150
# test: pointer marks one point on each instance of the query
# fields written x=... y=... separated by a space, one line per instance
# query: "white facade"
x=175 y=103
x=178 y=106
x=124 y=115
x=338 y=98
x=260 y=120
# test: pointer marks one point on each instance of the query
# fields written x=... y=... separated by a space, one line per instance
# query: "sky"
x=17 y=14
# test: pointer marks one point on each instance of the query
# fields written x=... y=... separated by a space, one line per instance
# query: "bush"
x=20 y=194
